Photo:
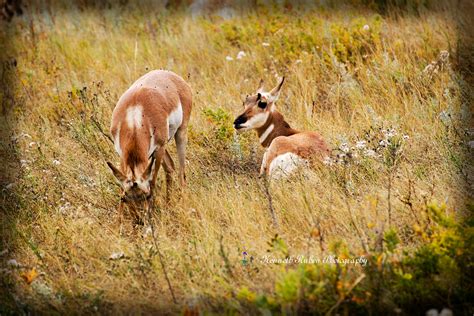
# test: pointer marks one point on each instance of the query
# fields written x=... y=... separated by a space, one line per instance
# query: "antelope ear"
x=117 y=173
x=148 y=171
x=275 y=93
x=260 y=86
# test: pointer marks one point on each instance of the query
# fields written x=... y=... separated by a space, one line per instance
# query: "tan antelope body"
x=148 y=115
x=287 y=149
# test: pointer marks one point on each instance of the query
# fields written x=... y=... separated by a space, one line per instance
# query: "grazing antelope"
x=287 y=149
x=153 y=110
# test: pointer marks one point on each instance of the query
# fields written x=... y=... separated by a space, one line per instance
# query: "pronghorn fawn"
x=287 y=148
x=148 y=115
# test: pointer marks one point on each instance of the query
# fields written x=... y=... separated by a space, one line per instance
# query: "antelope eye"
x=262 y=104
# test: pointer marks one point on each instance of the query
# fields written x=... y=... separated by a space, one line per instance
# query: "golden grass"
x=62 y=219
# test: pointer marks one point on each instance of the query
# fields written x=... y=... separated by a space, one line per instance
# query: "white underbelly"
x=285 y=164
x=175 y=120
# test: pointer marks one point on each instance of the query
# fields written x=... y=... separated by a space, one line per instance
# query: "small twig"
x=359 y=233
x=312 y=108
x=160 y=256
x=341 y=299
x=266 y=184
x=408 y=201
x=321 y=237
x=224 y=256
x=378 y=246
x=106 y=135
x=389 y=198
x=135 y=56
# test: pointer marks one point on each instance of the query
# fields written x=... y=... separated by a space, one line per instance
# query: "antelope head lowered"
x=155 y=109
x=136 y=181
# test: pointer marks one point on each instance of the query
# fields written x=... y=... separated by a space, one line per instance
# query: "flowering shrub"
x=438 y=274
x=378 y=144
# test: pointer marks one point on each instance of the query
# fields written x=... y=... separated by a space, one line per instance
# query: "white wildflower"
x=383 y=143
x=56 y=162
x=366 y=27
x=446 y=93
x=446 y=312
x=147 y=231
x=241 y=55
x=429 y=68
x=432 y=312
x=444 y=117
x=64 y=208
x=229 y=58
x=405 y=137
x=369 y=153
x=117 y=255
x=328 y=161
x=298 y=61
x=15 y=138
x=389 y=133
x=344 y=147
x=13 y=263
x=443 y=56
x=361 y=144
x=42 y=289
x=265 y=44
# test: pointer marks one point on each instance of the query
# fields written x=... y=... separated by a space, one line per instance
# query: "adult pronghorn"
x=287 y=148
x=153 y=110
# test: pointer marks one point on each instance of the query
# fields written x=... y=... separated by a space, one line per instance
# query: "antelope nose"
x=239 y=120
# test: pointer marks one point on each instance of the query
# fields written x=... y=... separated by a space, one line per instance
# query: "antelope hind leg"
x=169 y=167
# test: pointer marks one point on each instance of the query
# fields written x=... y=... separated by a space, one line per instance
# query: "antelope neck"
x=274 y=126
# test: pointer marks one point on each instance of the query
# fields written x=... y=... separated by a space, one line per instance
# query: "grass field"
x=397 y=191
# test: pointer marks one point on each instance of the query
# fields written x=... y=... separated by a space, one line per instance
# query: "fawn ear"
x=117 y=173
x=275 y=93
x=148 y=174
x=260 y=86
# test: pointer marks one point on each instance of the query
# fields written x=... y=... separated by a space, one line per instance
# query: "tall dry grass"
x=344 y=80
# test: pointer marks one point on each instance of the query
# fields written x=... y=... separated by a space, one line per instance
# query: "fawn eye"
x=262 y=104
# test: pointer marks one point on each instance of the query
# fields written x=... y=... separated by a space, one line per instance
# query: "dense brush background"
x=353 y=71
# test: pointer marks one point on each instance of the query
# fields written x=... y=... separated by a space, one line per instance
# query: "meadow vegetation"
x=388 y=90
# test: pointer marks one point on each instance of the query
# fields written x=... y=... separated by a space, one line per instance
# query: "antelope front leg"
x=159 y=154
x=168 y=165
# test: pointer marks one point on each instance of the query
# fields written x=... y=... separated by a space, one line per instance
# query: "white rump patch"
x=174 y=120
x=285 y=164
x=134 y=116
x=267 y=132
